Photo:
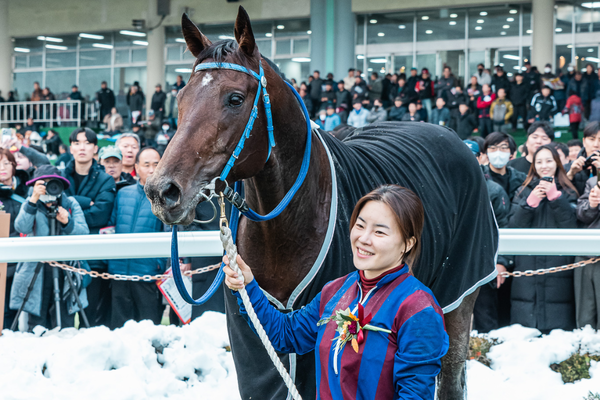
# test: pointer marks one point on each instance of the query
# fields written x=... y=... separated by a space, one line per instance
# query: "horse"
x=295 y=254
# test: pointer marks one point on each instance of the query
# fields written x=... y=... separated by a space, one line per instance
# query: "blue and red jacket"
x=400 y=365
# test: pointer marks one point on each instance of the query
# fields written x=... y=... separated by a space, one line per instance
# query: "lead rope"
x=232 y=253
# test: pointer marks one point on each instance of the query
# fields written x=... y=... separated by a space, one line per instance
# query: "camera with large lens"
x=54 y=187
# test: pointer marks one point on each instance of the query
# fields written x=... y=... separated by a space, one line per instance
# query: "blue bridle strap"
x=262 y=84
x=246 y=211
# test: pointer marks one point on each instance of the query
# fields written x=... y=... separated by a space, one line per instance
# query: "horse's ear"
x=243 y=33
x=195 y=40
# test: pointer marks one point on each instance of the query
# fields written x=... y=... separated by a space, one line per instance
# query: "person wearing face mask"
x=483 y=77
x=548 y=75
x=538 y=134
x=546 y=200
x=498 y=147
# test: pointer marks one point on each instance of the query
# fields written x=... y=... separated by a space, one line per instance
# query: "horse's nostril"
x=171 y=195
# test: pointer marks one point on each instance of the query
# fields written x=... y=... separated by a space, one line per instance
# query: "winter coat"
x=343 y=100
x=97 y=187
x=590 y=217
x=158 y=101
x=331 y=121
x=106 y=98
x=308 y=104
x=33 y=222
x=376 y=89
x=358 y=119
x=397 y=365
x=116 y=125
x=575 y=85
x=465 y=125
x=329 y=95
x=501 y=82
x=501 y=111
x=360 y=91
x=425 y=89
x=396 y=113
x=454 y=98
x=561 y=94
x=440 y=116
x=547 y=301
x=171 y=107
x=533 y=80
x=588 y=86
x=542 y=108
x=377 y=115
x=595 y=112
x=483 y=79
x=484 y=103
x=445 y=84
x=133 y=214
x=135 y=101
x=315 y=88
x=519 y=94
x=474 y=92
x=574 y=107
x=418 y=117
x=501 y=205
x=515 y=180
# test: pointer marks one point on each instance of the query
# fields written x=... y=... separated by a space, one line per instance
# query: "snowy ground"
x=521 y=366
x=97 y=364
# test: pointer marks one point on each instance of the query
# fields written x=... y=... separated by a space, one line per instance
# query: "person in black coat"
x=95 y=192
x=466 y=122
x=544 y=302
x=106 y=98
x=398 y=110
x=519 y=93
x=500 y=81
x=577 y=171
x=157 y=103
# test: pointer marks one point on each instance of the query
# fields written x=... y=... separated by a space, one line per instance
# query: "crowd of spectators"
x=551 y=185
x=488 y=103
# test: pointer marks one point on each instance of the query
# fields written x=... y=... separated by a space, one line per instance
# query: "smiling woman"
x=382 y=310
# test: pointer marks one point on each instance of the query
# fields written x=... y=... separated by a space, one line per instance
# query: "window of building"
x=441 y=24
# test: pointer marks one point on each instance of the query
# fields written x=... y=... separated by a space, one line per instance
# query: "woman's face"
x=377 y=244
x=23 y=162
x=6 y=170
x=545 y=164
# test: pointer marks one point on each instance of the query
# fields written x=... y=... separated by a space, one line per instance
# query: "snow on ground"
x=521 y=365
x=97 y=364
x=120 y=365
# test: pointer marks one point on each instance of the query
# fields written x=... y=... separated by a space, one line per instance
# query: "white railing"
x=582 y=242
x=48 y=113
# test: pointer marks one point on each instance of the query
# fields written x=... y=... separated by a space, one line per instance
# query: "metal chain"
x=552 y=270
x=133 y=278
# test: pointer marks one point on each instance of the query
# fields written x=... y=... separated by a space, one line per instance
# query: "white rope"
x=231 y=249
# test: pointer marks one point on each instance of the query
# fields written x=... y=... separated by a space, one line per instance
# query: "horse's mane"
x=218 y=51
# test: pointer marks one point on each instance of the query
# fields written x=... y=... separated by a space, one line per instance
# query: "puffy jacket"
x=97 y=187
x=515 y=179
x=400 y=365
x=426 y=89
x=158 y=101
x=588 y=86
x=501 y=205
x=574 y=107
x=360 y=91
x=32 y=221
x=444 y=84
x=133 y=214
x=377 y=115
x=484 y=103
x=331 y=121
x=135 y=101
x=501 y=82
x=589 y=216
x=542 y=107
x=358 y=119
x=595 y=112
x=580 y=179
x=465 y=124
x=547 y=301
x=343 y=100
x=519 y=94
x=440 y=116
x=396 y=113
x=575 y=85
x=501 y=110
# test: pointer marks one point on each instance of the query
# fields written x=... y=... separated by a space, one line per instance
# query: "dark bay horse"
x=295 y=254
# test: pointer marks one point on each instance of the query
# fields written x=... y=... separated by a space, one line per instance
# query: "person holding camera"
x=546 y=200
x=35 y=219
x=587 y=163
x=95 y=192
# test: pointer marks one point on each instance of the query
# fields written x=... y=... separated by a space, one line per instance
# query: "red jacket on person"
x=574 y=108
x=484 y=103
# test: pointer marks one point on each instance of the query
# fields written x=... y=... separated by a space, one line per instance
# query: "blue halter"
x=233 y=194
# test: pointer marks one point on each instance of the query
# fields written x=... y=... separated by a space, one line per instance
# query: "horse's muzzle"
x=166 y=198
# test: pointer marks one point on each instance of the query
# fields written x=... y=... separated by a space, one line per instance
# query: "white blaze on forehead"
x=207 y=78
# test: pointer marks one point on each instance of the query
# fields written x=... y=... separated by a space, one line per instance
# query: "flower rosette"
x=351 y=327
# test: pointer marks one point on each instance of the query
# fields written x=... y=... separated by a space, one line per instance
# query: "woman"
x=574 y=107
x=399 y=363
x=547 y=199
x=11 y=204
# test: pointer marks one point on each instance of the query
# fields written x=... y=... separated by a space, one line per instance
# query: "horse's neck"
x=282 y=251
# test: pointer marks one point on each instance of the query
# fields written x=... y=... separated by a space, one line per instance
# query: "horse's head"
x=213 y=110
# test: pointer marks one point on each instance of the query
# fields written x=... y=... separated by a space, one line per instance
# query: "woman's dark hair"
x=11 y=159
x=495 y=138
x=90 y=135
x=591 y=129
x=560 y=175
x=408 y=210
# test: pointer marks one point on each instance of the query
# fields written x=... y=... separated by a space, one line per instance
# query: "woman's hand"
x=232 y=278
x=62 y=216
x=39 y=189
x=540 y=191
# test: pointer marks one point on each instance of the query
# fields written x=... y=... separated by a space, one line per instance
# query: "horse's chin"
x=177 y=216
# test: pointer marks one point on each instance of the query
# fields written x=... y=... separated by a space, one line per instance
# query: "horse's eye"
x=236 y=100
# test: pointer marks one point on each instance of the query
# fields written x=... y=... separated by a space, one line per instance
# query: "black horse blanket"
x=459 y=242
